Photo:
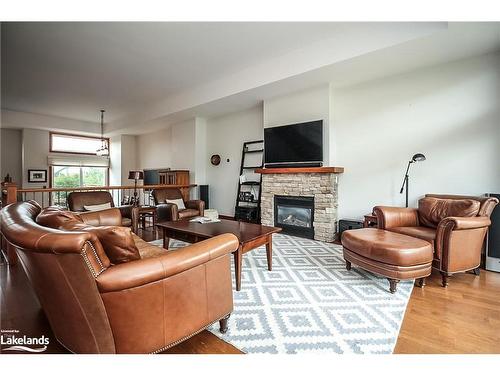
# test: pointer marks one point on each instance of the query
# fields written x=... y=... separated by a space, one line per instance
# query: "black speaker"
x=493 y=239
x=204 y=194
x=348 y=224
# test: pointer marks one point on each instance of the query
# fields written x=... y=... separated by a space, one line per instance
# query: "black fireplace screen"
x=295 y=215
x=298 y=216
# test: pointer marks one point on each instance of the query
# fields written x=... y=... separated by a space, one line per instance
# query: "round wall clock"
x=215 y=159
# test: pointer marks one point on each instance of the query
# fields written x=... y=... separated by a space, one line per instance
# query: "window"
x=74 y=164
x=64 y=176
x=75 y=144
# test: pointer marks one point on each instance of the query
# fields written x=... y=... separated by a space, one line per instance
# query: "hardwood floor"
x=463 y=318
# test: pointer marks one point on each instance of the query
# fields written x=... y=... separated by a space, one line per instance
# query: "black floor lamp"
x=135 y=175
x=415 y=158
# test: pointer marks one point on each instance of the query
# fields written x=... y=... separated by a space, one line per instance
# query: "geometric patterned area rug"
x=310 y=303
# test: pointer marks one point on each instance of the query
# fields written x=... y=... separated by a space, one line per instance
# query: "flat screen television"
x=151 y=177
x=297 y=145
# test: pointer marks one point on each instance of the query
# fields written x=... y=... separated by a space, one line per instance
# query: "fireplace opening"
x=295 y=215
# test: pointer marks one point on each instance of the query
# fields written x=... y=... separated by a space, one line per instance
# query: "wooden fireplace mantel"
x=300 y=170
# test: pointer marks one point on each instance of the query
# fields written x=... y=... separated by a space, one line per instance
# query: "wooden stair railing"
x=48 y=196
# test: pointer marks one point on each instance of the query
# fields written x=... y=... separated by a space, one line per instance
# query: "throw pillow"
x=432 y=210
x=54 y=217
x=118 y=242
x=179 y=202
x=97 y=207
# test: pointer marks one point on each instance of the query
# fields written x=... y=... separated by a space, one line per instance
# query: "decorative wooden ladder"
x=248 y=207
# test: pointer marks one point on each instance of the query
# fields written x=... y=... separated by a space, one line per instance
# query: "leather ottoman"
x=393 y=255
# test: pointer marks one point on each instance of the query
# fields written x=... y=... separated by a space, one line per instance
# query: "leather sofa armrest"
x=196 y=204
x=126 y=210
x=110 y=216
x=390 y=217
x=461 y=223
x=459 y=240
x=140 y=272
x=167 y=212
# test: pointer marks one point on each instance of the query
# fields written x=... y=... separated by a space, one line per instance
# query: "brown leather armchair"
x=455 y=225
x=142 y=306
x=169 y=211
x=78 y=199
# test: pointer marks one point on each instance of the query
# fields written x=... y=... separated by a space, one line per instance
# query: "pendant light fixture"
x=103 y=150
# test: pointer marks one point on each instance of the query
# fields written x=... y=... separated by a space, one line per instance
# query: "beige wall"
x=128 y=157
x=29 y=149
x=449 y=112
x=225 y=136
x=178 y=146
x=11 y=154
x=35 y=151
x=303 y=106
x=154 y=149
x=183 y=146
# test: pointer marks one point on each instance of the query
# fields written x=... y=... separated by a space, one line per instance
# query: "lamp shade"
x=136 y=175
x=418 y=157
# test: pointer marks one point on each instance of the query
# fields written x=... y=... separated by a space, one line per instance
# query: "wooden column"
x=11 y=189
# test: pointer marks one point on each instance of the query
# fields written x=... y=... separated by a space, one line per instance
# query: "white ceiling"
x=73 y=69
x=147 y=75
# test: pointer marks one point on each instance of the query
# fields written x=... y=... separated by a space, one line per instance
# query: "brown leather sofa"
x=140 y=306
x=169 y=211
x=78 y=199
x=455 y=226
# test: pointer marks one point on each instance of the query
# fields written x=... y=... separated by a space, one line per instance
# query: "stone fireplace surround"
x=320 y=183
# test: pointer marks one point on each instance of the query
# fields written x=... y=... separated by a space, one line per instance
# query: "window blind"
x=78 y=160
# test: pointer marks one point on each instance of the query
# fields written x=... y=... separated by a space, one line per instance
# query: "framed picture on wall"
x=37 y=175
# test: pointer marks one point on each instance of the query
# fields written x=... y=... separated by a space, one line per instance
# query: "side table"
x=140 y=213
x=370 y=221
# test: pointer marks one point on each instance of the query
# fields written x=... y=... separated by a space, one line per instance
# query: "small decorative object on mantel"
x=215 y=159
x=37 y=175
x=7 y=178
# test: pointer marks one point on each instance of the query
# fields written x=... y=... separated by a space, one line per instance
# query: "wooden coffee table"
x=250 y=236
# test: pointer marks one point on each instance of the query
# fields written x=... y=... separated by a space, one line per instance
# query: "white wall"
x=122 y=158
x=200 y=149
x=450 y=112
x=303 y=106
x=225 y=136
x=115 y=160
x=10 y=154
